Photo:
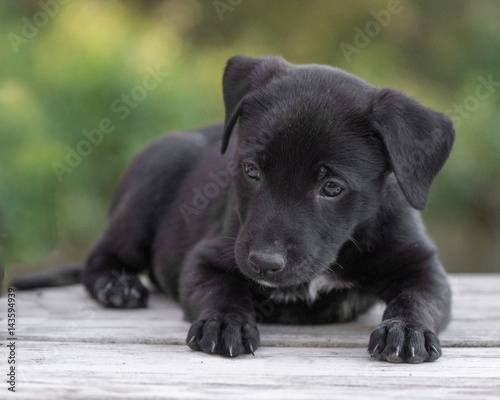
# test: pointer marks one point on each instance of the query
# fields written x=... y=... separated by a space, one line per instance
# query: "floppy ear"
x=241 y=76
x=418 y=141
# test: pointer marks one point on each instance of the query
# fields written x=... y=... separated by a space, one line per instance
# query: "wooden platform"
x=68 y=348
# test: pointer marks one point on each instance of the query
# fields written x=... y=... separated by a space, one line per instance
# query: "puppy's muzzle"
x=265 y=264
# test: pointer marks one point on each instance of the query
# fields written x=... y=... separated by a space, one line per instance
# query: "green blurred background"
x=70 y=66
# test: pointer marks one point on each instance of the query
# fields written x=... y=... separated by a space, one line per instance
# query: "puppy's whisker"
x=328 y=271
x=355 y=242
x=337 y=264
x=228 y=250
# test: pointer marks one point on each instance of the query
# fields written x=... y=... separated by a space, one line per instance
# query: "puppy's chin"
x=283 y=280
x=268 y=283
x=275 y=284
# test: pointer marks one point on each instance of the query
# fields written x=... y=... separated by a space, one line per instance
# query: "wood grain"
x=70 y=348
x=132 y=371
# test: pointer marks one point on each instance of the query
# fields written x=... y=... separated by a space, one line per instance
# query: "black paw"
x=120 y=291
x=397 y=341
x=229 y=335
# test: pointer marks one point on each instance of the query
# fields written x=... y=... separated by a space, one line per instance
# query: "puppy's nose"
x=265 y=263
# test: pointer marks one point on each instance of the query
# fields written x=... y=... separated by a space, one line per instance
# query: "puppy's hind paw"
x=121 y=291
x=397 y=341
x=228 y=335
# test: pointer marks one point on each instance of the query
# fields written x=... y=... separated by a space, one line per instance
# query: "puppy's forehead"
x=311 y=110
x=321 y=86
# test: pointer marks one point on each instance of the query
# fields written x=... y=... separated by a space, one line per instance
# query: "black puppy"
x=312 y=206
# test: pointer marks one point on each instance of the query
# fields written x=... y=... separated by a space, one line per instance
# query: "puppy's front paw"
x=396 y=341
x=120 y=291
x=229 y=335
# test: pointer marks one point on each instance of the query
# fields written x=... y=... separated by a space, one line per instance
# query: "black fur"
x=63 y=276
x=309 y=215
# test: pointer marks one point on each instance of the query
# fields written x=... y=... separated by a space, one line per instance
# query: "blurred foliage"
x=64 y=66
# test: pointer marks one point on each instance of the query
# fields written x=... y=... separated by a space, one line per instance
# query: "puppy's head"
x=315 y=146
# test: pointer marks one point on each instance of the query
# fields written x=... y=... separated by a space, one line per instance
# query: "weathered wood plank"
x=107 y=371
x=70 y=348
x=68 y=315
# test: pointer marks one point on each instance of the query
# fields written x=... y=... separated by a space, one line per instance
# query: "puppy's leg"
x=220 y=304
x=141 y=201
x=122 y=252
x=418 y=307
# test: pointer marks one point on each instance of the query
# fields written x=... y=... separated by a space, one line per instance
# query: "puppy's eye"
x=332 y=189
x=252 y=171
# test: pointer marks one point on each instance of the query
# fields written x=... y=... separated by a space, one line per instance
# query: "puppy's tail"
x=62 y=276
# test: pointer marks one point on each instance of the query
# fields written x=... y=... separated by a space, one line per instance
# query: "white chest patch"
x=309 y=292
